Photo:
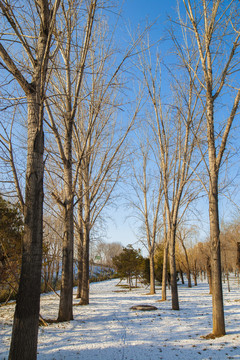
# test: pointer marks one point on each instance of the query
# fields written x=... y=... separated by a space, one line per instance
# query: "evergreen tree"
x=129 y=263
x=11 y=231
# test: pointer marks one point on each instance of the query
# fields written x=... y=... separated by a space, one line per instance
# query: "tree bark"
x=195 y=278
x=164 y=273
x=181 y=276
x=80 y=267
x=152 y=276
x=189 y=278
x=209 y=275
x=80 y=241
x=216 y=273
x=66 y=296
x=165 y=258
x=85 y=272
x=173 y=273
x=26 y=317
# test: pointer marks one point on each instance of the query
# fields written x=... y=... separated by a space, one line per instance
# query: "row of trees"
x=195 y=258
x=63 y=60
x=183 y=148
x=11 y=229
x=61 y=71
x=192 y=258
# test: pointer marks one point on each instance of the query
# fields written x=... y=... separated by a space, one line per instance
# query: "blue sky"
x=137 y=11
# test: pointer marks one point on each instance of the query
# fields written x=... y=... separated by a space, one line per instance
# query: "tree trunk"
x=187 y=261
x=85 y=272
x=80 y=241
x=228 y=281
x=80 y=268
x=66 y=295
x=57 y=275
x=181 y=276
x=195 y=277
x=26 y=317
x=65 y=306
x=164 y=273
x=209 y=276
x=217 y=295
x=152 y=276
x=173 y=273
x=189 y=278
x=216 y=272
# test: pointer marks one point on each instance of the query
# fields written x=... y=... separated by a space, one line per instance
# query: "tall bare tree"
x=101 y=163
x=99 y=138
x=175 y=145
x=67 y=80
x=30 y=71
x=215 y=26
x=146 y=199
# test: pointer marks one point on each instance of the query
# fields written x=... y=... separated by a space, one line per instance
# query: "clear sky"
x=136 y=11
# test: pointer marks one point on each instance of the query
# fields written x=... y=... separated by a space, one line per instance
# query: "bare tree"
x=215 y=27
x=67 y=79
x=81 y=109
x=174 y=148
x=35 y=47
x=99 y=139
x=101 y=163
x=103 y=252
x=146 y=199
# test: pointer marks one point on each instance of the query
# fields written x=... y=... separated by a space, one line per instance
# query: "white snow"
x=108 y=330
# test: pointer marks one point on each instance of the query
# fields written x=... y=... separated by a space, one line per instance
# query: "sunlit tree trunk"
x=86 y=232
x=26 y=316
x=165 y=259
x=79 y=229
x=152 y=275
x=70 y=77
x=85 y=269
x=212 y=25
x=209 y=275
x=66 y=295
x=173 y=272
x=216 y=272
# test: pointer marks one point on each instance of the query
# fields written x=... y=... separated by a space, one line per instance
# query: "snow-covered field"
x=108 y=330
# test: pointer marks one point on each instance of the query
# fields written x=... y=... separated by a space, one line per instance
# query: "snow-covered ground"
x=108 y=330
